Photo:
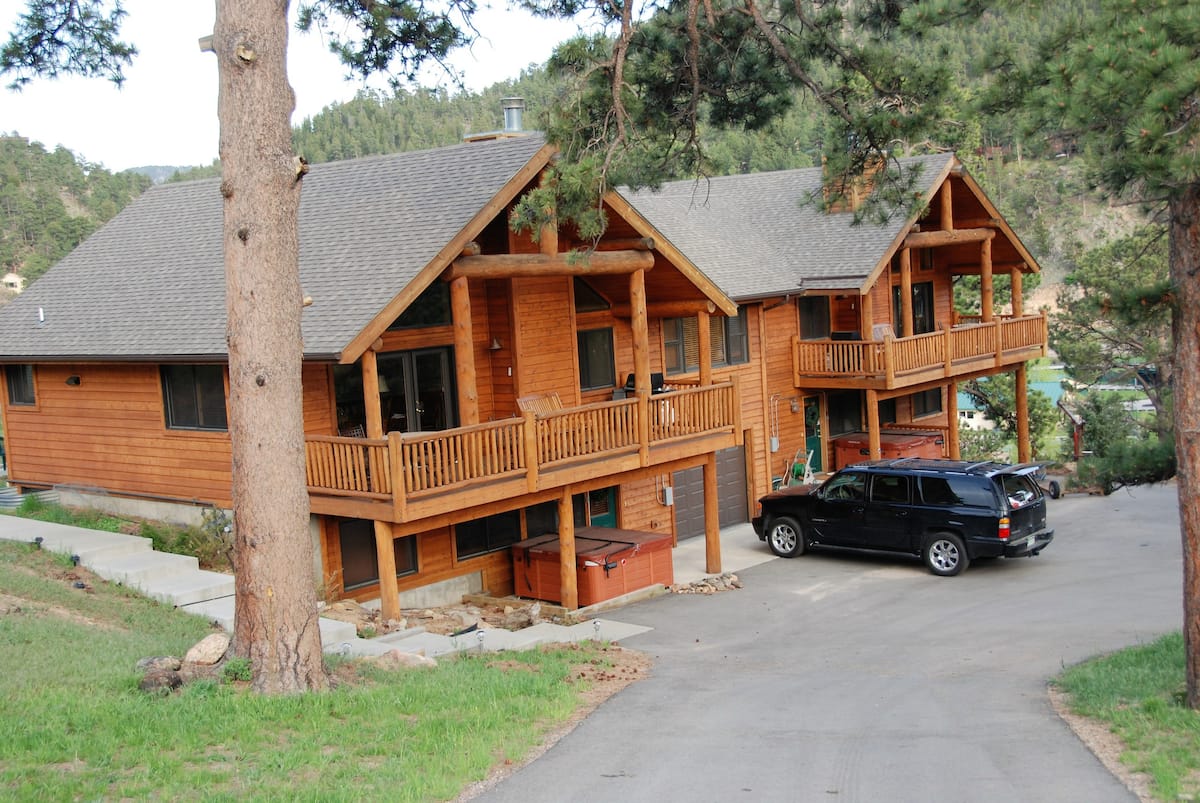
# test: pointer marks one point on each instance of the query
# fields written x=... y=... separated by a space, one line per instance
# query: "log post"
x=464 y=352
x=399 y=486
x=889 y=362
x=867 y=315
x=1021 y=391
x=873 y=424
x=948 y=349
x=906 y=310
x=385 y=553
x=712 y=517
x=1018 y=303
x=705 y=342
x=531 y=450
x=371 y=405
x=568 y=574
x=953 y=449
x=641 y=332
x=947 y=208
x=985 y=279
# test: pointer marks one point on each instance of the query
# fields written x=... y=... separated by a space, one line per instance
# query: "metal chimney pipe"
x=514 y=108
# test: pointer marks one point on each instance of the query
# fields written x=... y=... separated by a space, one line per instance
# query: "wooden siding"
x=109 y=431
x=545 y=337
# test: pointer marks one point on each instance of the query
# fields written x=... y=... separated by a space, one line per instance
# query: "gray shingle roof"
x=756 y=235
x=150 y=284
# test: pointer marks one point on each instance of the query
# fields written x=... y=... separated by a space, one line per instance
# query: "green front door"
x=812 y=430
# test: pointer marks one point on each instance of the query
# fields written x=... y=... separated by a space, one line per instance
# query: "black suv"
x=947 y=511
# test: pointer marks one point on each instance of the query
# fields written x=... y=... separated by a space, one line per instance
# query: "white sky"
x=166 y=113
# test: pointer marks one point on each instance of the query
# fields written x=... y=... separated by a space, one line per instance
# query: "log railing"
x=348 y=466
x=891 y=360
x=414 y=465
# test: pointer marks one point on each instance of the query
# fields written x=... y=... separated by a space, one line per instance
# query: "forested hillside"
x=51 y=201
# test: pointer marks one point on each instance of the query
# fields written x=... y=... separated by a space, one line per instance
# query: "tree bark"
x=275 y=616
x=1185 y=276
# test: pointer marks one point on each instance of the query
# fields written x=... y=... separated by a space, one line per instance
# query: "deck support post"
x=568 y=576
x=873 y=424
x=985 y=280
x=906 y=310
x=953 y=449
x=385 y=553
x=1018 y=303
x=371 y=406
x=867 y=313
x=1021 y=391
x=704 y=336
x=712 y=517
x=464 y=351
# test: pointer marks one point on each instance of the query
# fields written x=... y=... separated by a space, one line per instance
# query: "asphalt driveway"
x=848 y=678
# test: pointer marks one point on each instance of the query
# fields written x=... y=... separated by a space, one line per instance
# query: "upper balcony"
x=413 y=476
x=969 y=349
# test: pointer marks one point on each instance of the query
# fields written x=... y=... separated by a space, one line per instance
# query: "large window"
x=845 y=412
x=20 y=385
x=194 y=396
x=432 y=308
x=488 y=534
x=814 y=317
x=597 y=367
x=727 y=336
x=360 y=560
x=927 y=402
x=922 y=308
x=504 y=529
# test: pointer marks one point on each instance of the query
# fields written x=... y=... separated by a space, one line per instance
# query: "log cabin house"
x=466 y=388
x=857 y=348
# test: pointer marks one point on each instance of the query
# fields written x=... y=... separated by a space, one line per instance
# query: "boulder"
x=209 y=651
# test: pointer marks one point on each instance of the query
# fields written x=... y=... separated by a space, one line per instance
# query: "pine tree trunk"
x=275 y=604
x=1185 y=276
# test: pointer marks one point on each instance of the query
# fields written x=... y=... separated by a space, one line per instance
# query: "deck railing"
x=529 y=446
x=890 y=361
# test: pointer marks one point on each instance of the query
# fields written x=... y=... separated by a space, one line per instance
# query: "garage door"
x=731 y=494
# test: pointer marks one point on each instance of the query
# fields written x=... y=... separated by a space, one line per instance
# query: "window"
x=432 y=308
x=927 y=402
x=887 y=411
x=814 y=317
x=891 y=488
x=497 y=532
x=20 y=385
x=847 y=487
x=587 y=299
x=487 y=534
x=922 y=308
x=360 y=560
x=845 y=412
x=194 y=396
x=596 y=361
x=727 y=337
x=955 y=490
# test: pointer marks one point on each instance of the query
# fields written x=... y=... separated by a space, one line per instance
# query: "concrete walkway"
x=178 y=580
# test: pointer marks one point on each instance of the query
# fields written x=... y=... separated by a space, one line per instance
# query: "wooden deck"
x=964 y=350
x=407 y=477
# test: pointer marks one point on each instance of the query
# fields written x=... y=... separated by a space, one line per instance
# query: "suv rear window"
x=956 y=490
x=1020 y=490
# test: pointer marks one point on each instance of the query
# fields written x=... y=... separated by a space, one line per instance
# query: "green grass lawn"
x=74 y=726
x=1139 y=693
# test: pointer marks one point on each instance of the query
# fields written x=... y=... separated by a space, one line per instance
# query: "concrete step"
x=335 y=633
x=137 y=570
x=187 y=588
x=87 y=544
x=218 y=611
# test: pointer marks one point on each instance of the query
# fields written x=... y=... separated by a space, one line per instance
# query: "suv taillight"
x=1005 y=529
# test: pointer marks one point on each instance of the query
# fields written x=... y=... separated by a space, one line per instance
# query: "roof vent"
x=514 y=109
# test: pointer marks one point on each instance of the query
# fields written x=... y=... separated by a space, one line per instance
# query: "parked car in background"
x=949 y=512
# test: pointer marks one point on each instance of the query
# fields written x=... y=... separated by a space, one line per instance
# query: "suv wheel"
x=785 y=537
x=945 y=554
